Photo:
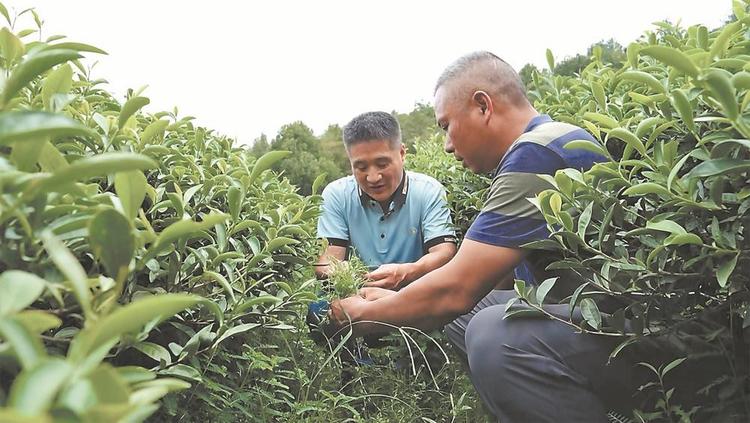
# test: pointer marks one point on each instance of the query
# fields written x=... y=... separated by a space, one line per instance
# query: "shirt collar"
x=533 y=123
x=398 y=198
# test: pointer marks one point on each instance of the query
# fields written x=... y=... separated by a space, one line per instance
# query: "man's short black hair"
x=372 y=126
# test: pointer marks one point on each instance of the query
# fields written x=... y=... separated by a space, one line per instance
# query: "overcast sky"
x=248 y=67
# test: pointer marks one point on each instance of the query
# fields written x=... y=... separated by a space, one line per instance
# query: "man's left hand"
x=391 y=276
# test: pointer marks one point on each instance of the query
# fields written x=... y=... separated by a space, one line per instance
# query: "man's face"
x=465 y=131
x=377 y=167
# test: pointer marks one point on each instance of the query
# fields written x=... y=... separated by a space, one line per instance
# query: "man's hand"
x=372 y=293
x=345 y=311
x=389 y=276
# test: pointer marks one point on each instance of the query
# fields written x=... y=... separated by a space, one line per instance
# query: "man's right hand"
x=373 y=293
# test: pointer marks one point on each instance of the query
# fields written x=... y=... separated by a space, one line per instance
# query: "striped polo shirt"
x=508 y=218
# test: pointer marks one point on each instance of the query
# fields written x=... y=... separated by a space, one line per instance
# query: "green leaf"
x=647 y=188
x=112 y=242
x=154 y=130
x=666 y=226
x=629 y=138
x=128 y=319
x=188 y=227
x=683 y=107
x=59 y=80
x=19 y=126
x=130 y=108
x=182 y=371
x=50 y=158
x=319 y=180
x=720 y=86
x=26 y=154
x=682 y=239
x=221 y=280
x=235 y=195
x=672 y=57
x=599 y=96
x=279 y=242
x=741 y=80
x=99 y=165
x=77 y=47
x=37 y=321
x=18 y=289
x=69 y=266
x=672 y=365
x=265 y=162
x=131 y=189
x=720 y=43
x=590 y=313
x=725 y=271
x=584 y=219
x=718 y=167
x=550 y=60
x=586 y=145
x=644 y=78
x=4 y=12
x=544 y=288
x=28 y=349
x=155 y=351
x=235 y=330
x=35 y=389
x=601 y=119
x=32 y=67
x=632 y=54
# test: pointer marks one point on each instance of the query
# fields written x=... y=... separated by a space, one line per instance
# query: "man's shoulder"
x=343 y=186
x=552 y=132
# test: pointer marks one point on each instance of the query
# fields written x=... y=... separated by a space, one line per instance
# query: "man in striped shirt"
x=525 y=370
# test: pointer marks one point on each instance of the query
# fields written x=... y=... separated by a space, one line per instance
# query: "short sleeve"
x=508 y=218
x=332 y=223
x=437 y=226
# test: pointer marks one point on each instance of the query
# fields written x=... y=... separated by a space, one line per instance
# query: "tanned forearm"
x=438 y=256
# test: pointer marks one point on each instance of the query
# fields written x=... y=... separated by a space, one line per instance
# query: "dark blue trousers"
x=529 y=370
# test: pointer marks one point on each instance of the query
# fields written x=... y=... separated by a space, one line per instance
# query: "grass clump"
x=346 y=277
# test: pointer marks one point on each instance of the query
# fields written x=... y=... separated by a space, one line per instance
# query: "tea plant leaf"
x=28 y=350
x=279 y=242
x=683 y=107
x=590 y=312
x=544 y=288
x=182 y=371
x=32 y=67
x=645 y=79
x=647 y=188
x=235 y=330
x=319 y=180
x=667 y=226
x=77 y=47
x=725 y=271
x=719 y=46
x=35 y=389
x=155 y=351
x=112 y=242
x=629 y=138
x=102 y=164
x=131 y=189
x=128 y=319
x=154 y=130
x=718 y=167
x=722 y=90
x=682 y=239
x=584 y=219
x=672 y=365
x=19 y=126
x=601 y=119
x=672 y=57
x=59 y=80
x=18 y=289
x=550 y=60
x=4 y=12
x=188 y=227
x=265 y=162
x=71 y=268
x=588 y=146
x=130 y=108
x=221 y=280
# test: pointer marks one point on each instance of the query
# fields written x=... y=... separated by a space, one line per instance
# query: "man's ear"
x=483 y=101
x=402 y=151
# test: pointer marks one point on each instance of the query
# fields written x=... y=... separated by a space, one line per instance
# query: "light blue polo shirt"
x=417 y=219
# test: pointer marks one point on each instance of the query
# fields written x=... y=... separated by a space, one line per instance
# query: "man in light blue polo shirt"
x=396 y=221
